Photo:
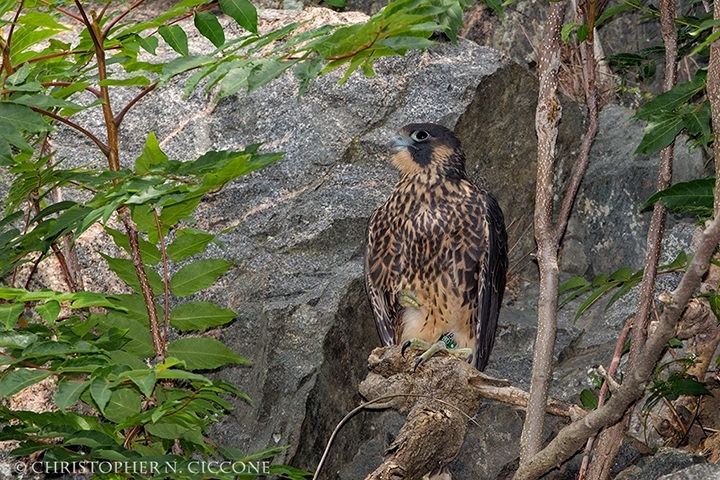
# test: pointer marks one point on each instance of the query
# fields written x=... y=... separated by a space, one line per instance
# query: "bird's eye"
x=420 y=136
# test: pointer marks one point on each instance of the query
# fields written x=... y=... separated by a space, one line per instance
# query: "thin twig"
x=591 y=100
x=119 y=117
x=62 y=10
x=367 y=404
x=115 y=20
x=103 y=148
x=614 y=363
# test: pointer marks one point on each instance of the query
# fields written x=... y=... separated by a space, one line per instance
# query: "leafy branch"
x=622 y=279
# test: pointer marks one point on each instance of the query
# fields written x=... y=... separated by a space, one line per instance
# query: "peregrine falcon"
x=436 y=251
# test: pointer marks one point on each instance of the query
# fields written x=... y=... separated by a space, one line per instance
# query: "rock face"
x=296 y=230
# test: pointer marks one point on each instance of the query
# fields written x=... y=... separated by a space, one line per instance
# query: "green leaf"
x=234 y=81
x=150 y=253
x=198 y=275
x=123 y=403
x=680 y=261
x=266 y=72
x=49 y=310
x=203 y=353
x=172 y=213
x=695 y=197
x=176 y=37
x=100 y=390
x=710 y=39
x=199 y=316
x=402 y=44
x=188 y=242
x=567 y=29
x=13 y=339
x=15 y=122
x=714 y=301
x=622 y=274
x=90 y=299
x=209 y=27
x=9 y=314
x=151 y=155
x=119 y=357
x=125 y=269
x=41 y=19
x=17 y=380
x=137 y=336
x=243 y=12
x=623 y=290
x=698 y=123
x=672 y=99
x=588 y=400
x=660 y=132
x=336 y=3
x=149 y=43
x=572 y=284
x=92 y=439
x=689 y=386
x=168 y=430
x=144 y=379
x=612 y=10
x=183 y=64
x=592 y=298
x=68 y=392
x=22 y=118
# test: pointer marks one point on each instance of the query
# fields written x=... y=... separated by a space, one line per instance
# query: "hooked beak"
x=400 y=142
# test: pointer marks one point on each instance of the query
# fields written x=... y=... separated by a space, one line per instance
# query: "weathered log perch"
x=439 y=399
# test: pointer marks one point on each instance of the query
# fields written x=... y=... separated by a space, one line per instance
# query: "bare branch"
x=657 y=223
x=547 y=118
x=610 y=441
x=713 y=92
x=591 y=100
x=569 y=440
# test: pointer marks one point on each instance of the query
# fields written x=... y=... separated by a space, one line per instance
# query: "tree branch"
x=591 y=100
x=146 y=290
x=547 y=118
x=119 y=117
x=103 y=148
x=657 y=223
x=115 y=20
x=569 y=440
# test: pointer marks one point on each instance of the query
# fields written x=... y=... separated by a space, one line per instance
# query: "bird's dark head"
x=427 y=148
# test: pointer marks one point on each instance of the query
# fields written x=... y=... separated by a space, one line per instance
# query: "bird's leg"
x=445 y=342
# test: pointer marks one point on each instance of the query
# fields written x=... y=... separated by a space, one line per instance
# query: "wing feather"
x=375 y=272
x=491 y=279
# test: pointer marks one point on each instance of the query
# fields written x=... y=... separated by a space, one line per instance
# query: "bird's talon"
x=405 y=347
